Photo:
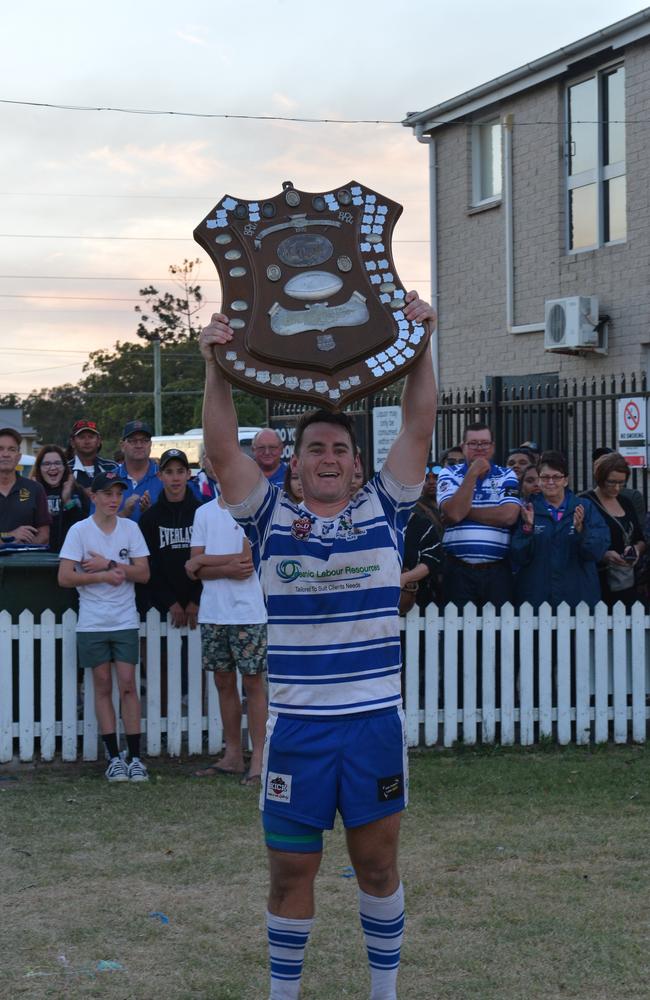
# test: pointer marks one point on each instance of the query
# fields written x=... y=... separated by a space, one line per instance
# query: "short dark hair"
x=608 y=463
x=11 y=432
x=554 y=460
x=334 y=417
x=478 y=425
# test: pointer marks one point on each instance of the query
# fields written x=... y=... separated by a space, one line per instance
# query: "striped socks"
x=287 y=941
x=382 y=920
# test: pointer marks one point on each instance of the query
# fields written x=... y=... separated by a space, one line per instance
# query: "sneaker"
x=137 y=771
x=117 y=770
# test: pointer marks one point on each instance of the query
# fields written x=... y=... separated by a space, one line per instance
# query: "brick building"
x=541 y=191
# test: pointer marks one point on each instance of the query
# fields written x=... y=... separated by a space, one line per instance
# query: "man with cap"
x=85 y=443
x=104 y=556
x=24 y=515
x=167 y=530
x=138 y=470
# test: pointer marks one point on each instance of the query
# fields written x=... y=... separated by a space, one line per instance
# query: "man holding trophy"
x=330 y=571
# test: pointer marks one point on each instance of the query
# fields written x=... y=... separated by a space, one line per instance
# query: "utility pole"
x=157 y=387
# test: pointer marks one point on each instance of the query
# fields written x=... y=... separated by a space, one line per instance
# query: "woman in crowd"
x=626 y=544
x=292 y=485
x=529 y=483
x=558 y=542
x=67 y=502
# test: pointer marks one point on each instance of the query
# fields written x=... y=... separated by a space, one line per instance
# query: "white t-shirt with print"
x=225 y=601
x=103 y=607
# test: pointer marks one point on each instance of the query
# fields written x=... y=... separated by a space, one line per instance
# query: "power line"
x=204 y=114
x=175 y=239
x=462 y=120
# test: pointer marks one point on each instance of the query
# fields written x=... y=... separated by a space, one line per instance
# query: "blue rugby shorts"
x=354 y=764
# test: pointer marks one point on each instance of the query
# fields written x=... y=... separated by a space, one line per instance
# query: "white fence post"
x=194 y=692
x=488 y=684
x=174 y=720
x=153 y=646
x=6 y=689
x=619 y=664
x=508 y=623
x=601 y=674
x=526 y=664
x=582 y=661
x=69 y=686
x=545 y=623
x=470 y=674
x=432 y=628
x=48 y=686
x=451 y=676
x=563 y=661
x=637 y=617
x=26 y=685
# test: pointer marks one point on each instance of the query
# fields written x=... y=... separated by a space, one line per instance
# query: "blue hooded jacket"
x=555 y=562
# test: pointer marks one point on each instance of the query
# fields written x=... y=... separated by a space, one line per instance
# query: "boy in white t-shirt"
x=103 y=557
x=232 y=615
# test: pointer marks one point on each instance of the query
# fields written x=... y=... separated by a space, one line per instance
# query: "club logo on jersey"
x=301 y=528
x=278 y=787
x=390 y=788
x=347 y=529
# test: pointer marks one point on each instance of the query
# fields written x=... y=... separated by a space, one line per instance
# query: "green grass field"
x=526 y=877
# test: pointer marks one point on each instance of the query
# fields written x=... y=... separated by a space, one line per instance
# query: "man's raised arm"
x=408 y=455
x=237 y=473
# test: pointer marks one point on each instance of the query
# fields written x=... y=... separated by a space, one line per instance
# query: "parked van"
x=191 y=443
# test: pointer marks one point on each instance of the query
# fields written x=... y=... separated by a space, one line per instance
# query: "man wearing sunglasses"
x=479 y=503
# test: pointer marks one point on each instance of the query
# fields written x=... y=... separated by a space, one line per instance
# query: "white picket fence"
x=509 y=677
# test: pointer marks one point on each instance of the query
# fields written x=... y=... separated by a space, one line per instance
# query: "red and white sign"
x=632 y=430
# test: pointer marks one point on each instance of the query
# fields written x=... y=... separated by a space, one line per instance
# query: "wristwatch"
x=111 y=565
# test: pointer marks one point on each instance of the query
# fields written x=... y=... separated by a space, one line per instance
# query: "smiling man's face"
x=326 y=464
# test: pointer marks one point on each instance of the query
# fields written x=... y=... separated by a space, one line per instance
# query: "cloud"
x=170 y=163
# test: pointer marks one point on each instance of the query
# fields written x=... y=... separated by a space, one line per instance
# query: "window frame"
x=601 y=173
x=476 y=150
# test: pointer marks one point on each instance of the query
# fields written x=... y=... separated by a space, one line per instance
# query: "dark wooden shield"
x=311 y=292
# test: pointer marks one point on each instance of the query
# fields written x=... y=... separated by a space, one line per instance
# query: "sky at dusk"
x=95 y=205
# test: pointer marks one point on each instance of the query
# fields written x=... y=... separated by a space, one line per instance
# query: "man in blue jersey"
x=479 y=503
x=330 y=570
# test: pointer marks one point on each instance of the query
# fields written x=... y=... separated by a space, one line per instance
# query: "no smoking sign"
x=632 y=430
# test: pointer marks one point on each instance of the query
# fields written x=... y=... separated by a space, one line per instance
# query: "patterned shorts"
x=226 y=647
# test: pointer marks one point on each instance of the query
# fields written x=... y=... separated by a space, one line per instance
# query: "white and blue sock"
x=382 y=920
x=287 y=941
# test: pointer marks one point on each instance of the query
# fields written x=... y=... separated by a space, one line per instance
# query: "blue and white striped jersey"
x=469 y=540
x=332 y=589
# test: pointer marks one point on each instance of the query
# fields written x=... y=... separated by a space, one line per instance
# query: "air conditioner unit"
x=571 y=325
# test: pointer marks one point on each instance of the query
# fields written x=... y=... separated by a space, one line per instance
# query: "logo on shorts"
x=390 y=788
x=278 y=787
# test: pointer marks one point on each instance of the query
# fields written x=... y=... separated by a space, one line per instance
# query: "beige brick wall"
x=472 y=285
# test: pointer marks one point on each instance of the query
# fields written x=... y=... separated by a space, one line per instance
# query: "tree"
x=52 y=412
x=117 y=385
x=170 y=317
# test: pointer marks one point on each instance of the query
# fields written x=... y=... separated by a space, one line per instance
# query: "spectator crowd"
x=134 y=534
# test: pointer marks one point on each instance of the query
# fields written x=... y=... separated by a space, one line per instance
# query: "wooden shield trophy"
x=310 y=290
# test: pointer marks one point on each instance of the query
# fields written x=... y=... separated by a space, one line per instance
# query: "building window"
x=486 y=162
x=596 y=160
